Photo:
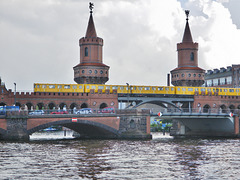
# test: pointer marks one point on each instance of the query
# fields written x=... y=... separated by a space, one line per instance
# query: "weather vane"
x=91 y=6
x=187 y=13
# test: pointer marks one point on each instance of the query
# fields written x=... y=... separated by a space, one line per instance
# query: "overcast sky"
x=39 y=39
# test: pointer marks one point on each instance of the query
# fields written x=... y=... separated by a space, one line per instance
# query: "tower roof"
x=91 y=32
x=187 y=37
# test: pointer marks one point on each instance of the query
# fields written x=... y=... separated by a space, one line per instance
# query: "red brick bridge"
x=125 y=124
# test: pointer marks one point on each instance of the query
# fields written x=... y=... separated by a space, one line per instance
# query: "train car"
x=39 y=87
x=228 y=91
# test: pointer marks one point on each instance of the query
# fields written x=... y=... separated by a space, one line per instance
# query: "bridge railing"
x=199 y=111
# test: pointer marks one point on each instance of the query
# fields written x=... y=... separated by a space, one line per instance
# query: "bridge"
x=124 y=124
x=194 y=123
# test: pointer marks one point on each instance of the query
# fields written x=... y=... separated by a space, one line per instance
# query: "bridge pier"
x=134 y=124
x=16 y=127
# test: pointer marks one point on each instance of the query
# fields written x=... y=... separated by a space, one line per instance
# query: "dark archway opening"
x=84 y=105
x=29 y=106
x=51 y=106
x=40 y=106
x=2 y=104
x=223 y=109
x=103 y=105
x=206 y=108
x=232 y=108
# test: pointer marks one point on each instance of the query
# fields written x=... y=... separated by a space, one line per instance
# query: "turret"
x=187 y=73
x=91 y=68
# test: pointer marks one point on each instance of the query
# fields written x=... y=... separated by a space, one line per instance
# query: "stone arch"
x=223 y=108
x=232 y=108
x=73 y=105
x=18 y=104
x=29 y=106
x=238 y=107
x=84 y=105
x=103 y=105
x=3 y=104
x=206 y=108
x=83 y=127
x=40 y=106
x=62 y=105
x=51 y=106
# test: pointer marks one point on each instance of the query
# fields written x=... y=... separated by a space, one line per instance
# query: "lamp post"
x=127 y=93
x=15 y=93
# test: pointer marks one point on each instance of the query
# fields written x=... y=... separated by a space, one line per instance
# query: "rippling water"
x=160 y=158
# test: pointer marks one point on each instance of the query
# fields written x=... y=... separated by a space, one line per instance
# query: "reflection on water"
x=161 y=158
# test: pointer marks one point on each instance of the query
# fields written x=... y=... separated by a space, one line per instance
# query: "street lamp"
x=127 y=93
x=15 y=93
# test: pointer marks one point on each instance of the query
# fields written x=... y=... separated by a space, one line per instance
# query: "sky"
x=39 y=40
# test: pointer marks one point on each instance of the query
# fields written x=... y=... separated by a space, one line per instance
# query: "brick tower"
x=91 y=68
x=187 y=73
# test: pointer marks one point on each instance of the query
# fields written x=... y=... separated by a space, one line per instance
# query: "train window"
x=190 y=89
x=224 y=90
x=38 y=86
x=178 y=89
x=44 y=86
x=196 y=89
x=80 y=87
x=183 y=89
x=74 y=87
x=115 y=87
x=153 y=88
x=131 y=87
x=213 y=90
x=172 y=89
x=107 y=87
x=121 y=88
x=100 y=87
x=202 y=89
x=87 y=86
x=66 y=86
x=160 y=88
x=147 y=88
x=167 y=89
x=139 y=88
x=237 y=90
x=52 y=86
x=220 y=90
x=93 y=87
x=59 y=86
x=231 y=90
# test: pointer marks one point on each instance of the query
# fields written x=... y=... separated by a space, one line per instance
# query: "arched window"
x=86 y=51
x=192 y=56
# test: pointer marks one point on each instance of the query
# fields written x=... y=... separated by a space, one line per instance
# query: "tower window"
x=192 y=56
x=86 y=51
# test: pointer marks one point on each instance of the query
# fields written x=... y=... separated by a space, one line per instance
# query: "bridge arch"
x=83 y=127
x=103 y=105
x=206 y=108
x=62 y=105
x=157 y=102
x=51 y=106
x=29 y=106
x=223 y=108
x=84 y=105
x=3 y=104
x=232 y=108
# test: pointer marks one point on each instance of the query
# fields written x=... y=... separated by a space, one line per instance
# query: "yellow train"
x=124 y=89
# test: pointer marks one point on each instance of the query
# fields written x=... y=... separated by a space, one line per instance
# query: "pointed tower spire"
x=187 y=37
x=91 y=32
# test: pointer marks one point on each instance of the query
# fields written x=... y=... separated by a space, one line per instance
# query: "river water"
x=54 y=156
